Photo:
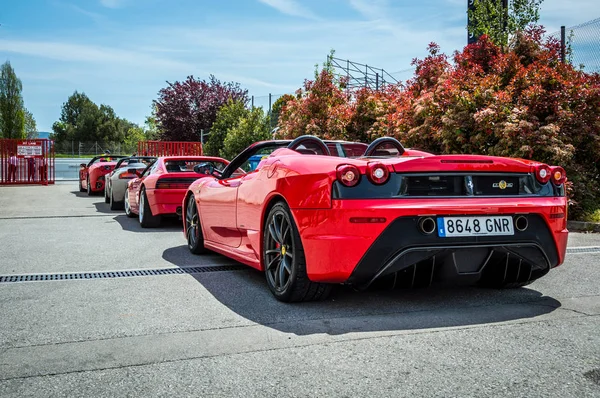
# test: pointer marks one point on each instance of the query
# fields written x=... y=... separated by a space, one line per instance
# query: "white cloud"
x=290 y=7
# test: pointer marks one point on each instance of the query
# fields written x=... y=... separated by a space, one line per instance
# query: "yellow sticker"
x=264 y=157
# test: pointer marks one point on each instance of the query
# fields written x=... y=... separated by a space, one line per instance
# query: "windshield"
x=252 y=163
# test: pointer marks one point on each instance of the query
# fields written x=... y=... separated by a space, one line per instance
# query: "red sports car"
x=160 y=188
x=92 y=175
x=403 y=216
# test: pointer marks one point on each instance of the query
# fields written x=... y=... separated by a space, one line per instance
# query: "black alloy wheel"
x=284 y=261
x=193 y=230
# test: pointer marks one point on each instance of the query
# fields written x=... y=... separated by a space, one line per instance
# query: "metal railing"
x=581 y=44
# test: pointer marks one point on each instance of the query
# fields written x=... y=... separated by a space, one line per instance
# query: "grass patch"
x=593 y=216
x=62 y=155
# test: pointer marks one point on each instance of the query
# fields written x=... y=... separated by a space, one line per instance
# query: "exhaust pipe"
x=178 y=211
x=521 y=223
x=427 y=225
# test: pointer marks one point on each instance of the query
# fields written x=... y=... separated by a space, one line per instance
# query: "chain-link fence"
x=582 y=43
x=91 y=149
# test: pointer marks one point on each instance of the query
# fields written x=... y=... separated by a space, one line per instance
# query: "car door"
x=217 y=205
x=134 y=189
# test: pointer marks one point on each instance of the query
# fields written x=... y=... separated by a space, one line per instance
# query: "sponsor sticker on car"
x=475 y=226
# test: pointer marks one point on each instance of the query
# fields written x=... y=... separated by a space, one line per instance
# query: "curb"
x=582 y=226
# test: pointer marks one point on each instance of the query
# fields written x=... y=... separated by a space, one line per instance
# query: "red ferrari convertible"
x=309 y=219
x=160 y=188
x=93 y=174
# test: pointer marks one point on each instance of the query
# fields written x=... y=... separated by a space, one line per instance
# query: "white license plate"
x=474 y=226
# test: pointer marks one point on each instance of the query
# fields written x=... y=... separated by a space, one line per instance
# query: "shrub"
x=251 y=128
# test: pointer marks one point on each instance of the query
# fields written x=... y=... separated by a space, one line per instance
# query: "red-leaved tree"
x=183 y=109
x=518 y=102
x=321 y=108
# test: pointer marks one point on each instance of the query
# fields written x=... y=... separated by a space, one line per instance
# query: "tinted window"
x=187 y=166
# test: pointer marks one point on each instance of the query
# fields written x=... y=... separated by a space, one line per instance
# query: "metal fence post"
x=563 y=44
x=269 y=103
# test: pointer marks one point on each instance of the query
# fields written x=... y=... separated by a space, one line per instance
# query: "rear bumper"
x=166 y=201
x=339 y=251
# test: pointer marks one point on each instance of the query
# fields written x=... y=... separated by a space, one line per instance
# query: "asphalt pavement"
x=139 y=316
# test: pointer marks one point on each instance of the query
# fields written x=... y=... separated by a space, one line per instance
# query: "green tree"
x=491 y=18
x=133 y=136
x=228 y=117
x=251 y=128
x=30 y=126
x=277 y=107
x=83 y=121
x=12 y=111
x=151 y=130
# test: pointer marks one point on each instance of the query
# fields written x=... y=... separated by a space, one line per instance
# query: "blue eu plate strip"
x=441 y=229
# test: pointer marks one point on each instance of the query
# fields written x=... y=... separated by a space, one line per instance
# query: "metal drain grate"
x=576 y=250
x=119 y=274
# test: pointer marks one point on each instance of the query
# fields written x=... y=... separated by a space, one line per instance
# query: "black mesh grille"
x=175 y=183
x=435 y=186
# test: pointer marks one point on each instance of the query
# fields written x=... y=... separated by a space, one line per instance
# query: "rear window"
x=183 y=165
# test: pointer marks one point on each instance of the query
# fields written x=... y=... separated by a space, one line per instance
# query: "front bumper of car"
x=359 y=241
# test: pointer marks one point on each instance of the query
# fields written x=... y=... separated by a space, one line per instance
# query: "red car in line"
x=396 y=215
x=92 y=175
x=159 y=189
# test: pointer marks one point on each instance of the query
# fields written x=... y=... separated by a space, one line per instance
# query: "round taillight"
x=377 y=173
x=543 y=173
x=558 y=175
x=348 y=175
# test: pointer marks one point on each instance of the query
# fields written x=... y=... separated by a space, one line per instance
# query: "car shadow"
x=246 y=293
x=80 y=194
x=168 y=224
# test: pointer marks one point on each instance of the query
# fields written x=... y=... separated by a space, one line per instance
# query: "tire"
x=128 y=211
x=114 y=205
x=81 y=186
x=284 y=260
x=147 y=219
x=89 y=188
x=193 y=233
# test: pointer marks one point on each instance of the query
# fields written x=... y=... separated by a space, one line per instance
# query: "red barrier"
x=169 y=148
x=27 y=162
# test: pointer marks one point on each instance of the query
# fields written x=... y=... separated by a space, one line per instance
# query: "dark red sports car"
x=92 y=176
x=310 y=220
x=160 y=188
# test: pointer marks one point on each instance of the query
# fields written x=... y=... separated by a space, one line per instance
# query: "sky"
x=122 y=52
